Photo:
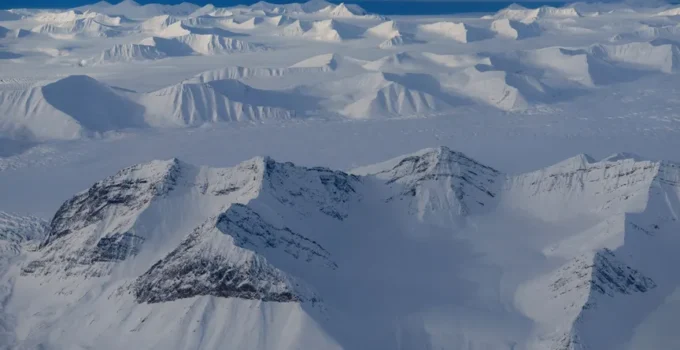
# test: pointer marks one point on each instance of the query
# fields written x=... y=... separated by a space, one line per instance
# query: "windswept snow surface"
x=313 y=176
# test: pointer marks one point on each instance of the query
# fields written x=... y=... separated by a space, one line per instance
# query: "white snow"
x=427 y=206
x=514 y=30
x=385 y=30
x=519 y=13
x=129 y=53
x=460 y=32
x=158 y=23
x=670 y=12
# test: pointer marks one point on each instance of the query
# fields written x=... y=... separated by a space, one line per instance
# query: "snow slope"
x=521 y=14
x=66 y=109
x=85 y=26
x=329 y=30
x=514 y=30
x=203 y=44
x=195 y=104
x=498 y=88
x=129 y=53
x=167 y=243
x=158 y=23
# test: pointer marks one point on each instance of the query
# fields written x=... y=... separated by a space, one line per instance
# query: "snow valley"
x=314 y=176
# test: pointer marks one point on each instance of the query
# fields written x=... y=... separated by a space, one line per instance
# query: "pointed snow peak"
x=205 y=10
x=428 y=164
x=424 y=163
x=329 y=191
x=441 y=186
x=341 y=11
x=444 y=161
x=156 y=170
x=516 y=6
x=129 y=3
x=315 y=5
x=386 y=30
x=157 y=176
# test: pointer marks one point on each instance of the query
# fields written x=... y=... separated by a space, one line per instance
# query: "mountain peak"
x=128 y=3
x=133 y=188
x=424 y=163
x=109 y=222
x=441 y=184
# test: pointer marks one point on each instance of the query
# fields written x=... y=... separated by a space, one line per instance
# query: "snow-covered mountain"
x=203 y=44
x=85 y=26
x=15 y=230
x=132 y=9
x=517 y=60
x=433 y=249
x=51 y=112
x=65 y=109
x=129 y=53
x=460 y=32
x=169 y=244
x=191 y=103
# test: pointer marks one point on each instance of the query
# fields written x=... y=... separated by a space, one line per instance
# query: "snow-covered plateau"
x=314 y=176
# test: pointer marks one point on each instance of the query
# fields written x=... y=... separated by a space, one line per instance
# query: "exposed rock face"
x=602 y=273
x=17 y=230
x=208 y=263
x=251 y=231
x=315 y=188
x=219 y=259
x=125 y=193
x=116 y=247
x=93 y=227
x=226 y=255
